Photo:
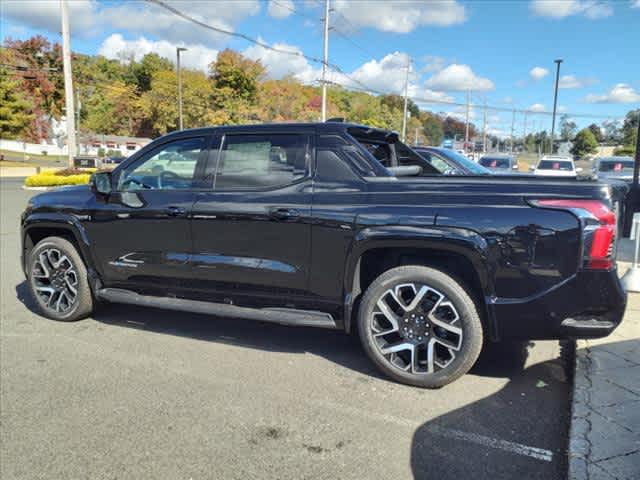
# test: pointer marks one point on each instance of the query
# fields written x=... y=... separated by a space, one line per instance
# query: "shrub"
x=72 y=171
x=52 y=180
x=627 y=150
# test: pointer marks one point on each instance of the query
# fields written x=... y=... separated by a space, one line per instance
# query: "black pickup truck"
x=313 y=225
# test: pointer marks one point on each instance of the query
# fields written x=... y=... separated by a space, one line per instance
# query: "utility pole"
x=325 y=60
x=406 y=94
x=68 y=82
x=484 y=127
x=466 y=127
x=415 y=141
x=513 y=122
x=555 y=102
x=179 y=72
x=78 y=107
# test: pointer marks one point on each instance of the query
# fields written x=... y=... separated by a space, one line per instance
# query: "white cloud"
x=537 y=107
x=279 y=65
x=507 y=100
x=196 y=57
x=280 y=8
x=458 y=78
x=620 y=93
x=400 y=16
x=45 y=14
x=538 y=73
x=434 y=63
x=386 y=75
x=87 y=17
x=571 y=81
x=592 y=9
x=635 y=3
x=427 y=95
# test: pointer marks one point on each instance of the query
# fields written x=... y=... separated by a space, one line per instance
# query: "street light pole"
x=404 y=109
x=325 y=60
x=68 y=82
x=555 y=102
x=179 y=71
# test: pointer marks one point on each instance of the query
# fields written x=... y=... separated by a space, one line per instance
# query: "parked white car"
x=556 y=166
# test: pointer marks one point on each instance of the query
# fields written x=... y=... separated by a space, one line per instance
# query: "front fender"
x=459 y=241
x=57 y=221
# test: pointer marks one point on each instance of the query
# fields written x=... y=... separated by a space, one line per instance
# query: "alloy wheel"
x=55 y=280
x=416 y=328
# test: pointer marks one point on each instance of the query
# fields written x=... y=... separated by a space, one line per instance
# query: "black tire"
x=468 y=322
x=82 y=304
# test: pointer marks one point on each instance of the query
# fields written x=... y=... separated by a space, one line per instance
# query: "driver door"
x=142 y=232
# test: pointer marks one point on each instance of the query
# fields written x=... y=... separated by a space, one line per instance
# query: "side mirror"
x=101 y=183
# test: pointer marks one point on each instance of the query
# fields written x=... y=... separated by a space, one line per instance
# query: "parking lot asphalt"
x=144 y=393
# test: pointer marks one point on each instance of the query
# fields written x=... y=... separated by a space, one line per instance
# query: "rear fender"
x=457 y=241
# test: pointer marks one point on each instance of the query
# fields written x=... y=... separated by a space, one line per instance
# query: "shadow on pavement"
x=496 y=360
x=490 y=437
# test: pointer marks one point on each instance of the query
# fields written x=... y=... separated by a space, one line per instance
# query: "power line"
x=336 y=68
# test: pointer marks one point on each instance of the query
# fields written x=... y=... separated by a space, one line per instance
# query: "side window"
x=438 y=163
x=261 y=161
x=331 y=164
x=169 y=167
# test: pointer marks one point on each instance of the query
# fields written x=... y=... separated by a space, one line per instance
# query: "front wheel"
x=420 y=326
x=58 y=280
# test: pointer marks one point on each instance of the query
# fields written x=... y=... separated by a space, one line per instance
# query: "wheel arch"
x=40 y=226
x=461 y=253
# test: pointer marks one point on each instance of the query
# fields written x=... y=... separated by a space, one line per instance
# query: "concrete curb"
x=579 y=445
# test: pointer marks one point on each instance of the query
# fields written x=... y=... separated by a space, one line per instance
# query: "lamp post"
x=555 y=102
x=178 y=50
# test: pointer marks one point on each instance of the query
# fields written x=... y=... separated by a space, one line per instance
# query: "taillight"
x=598 y=227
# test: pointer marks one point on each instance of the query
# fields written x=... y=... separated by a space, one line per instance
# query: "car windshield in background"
x=616 y=166
x=495 y=162
x=555 y=165
x=470 y=165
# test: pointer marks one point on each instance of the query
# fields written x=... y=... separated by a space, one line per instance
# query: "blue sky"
x=502 y=50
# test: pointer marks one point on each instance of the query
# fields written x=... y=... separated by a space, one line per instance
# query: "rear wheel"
x=420 y=326
x=58 y=280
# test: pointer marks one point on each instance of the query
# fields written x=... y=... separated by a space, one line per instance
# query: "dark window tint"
x=495 y=162
x=380 y=151
x=261 y=161
x=168 y=167
x=555 y=165
x=615 y=166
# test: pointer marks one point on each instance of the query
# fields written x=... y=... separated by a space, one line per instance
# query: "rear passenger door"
x=252 y=231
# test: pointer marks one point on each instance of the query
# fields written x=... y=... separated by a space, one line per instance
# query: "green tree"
x=584 y=144
x=432 y=129
x=144 y=70
x=567 y=128
x=15 y=108
x=630 y=128
x=160 y=103
x=597 y=132
x=15 y=116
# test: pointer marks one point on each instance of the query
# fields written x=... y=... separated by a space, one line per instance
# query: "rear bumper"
x=589 y=304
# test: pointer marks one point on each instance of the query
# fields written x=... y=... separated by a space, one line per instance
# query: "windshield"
x=495 y=162
x=616 y=166
x=555 y=165
x=463 y=161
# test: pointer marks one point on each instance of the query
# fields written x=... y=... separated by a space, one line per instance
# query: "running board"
x=283 y=316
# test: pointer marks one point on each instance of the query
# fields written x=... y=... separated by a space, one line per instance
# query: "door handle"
x=284 y=213
x=176 y=211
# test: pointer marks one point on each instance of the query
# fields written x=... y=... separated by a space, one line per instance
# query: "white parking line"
x=512 y=447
